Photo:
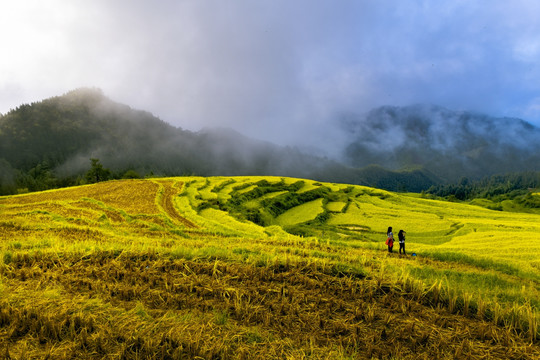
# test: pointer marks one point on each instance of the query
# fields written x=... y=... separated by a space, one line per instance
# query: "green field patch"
x=191 y=193
x=252 y=204
x=335 y=206
x=272 y=195
x=301 y=213
x=282 y=203
x=486 y=284
x=353 y=215
x=255 y=204
x=207 y=194
x=223 y=185
x=233 y=226
x=246 y=189
x=308 y=186
x=511 y=252
x=336 y=187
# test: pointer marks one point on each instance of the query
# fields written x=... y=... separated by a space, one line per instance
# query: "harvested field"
x=104 y=304
x=195 y=268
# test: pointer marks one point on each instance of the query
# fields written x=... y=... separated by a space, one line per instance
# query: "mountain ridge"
x=56 y=137
x=451 y=144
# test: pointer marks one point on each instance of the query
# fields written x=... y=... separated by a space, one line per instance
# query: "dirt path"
x=170 y=190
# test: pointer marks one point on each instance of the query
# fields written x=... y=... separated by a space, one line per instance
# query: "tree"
x=131 y=174
x=97 y=172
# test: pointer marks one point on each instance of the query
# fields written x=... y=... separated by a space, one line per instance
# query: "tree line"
x=42 y=177
x=497 y=188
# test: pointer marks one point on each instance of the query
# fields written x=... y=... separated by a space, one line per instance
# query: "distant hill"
x=55 y=138
x=446 y=143
x=394 y=148
x=49 y=144
x=66 y=131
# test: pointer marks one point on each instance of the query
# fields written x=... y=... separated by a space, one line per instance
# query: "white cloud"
x=528 y=50
x=532 y=110
x=273 y=68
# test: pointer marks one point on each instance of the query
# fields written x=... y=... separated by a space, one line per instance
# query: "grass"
x=336 y=206
x=214 y=268
x=301 y=213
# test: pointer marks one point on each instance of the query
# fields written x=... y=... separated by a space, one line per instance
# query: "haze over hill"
x=276 y=70
x=450 y=144
x=66 y=131
x=59 y=135
x=395 y=148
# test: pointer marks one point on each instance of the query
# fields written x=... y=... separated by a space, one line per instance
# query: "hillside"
x=449 y=144
x=262 y=267
x=65 y=132
x=49 y=144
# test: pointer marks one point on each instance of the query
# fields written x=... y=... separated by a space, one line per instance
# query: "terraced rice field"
x=259 y=268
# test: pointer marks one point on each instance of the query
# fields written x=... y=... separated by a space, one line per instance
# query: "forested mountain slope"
x=449 y=144
x=49 y=144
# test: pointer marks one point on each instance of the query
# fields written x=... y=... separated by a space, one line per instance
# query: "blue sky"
x=280 y=70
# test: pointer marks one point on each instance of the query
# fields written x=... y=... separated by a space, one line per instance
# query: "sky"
x=279 y=70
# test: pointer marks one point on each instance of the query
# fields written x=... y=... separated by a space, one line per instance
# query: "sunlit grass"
x=469 y=259
x=335 y=206
x=301 y=213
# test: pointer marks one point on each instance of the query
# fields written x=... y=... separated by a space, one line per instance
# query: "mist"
x=279 y=71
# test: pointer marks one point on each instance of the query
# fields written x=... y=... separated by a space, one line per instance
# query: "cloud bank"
x=275 y=69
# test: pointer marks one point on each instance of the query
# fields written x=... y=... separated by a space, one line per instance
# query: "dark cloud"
x=278 y=70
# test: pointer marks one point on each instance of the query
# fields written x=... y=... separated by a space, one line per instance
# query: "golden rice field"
x=263 y=268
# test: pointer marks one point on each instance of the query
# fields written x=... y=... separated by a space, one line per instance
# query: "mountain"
x=66 y=131
x=49 y=144
x=446 y=143
x=55 y=139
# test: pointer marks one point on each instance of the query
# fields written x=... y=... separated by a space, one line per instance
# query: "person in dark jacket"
x=390 y=239
x=401 y=238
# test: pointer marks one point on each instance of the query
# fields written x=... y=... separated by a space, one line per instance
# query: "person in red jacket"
x=390 y=239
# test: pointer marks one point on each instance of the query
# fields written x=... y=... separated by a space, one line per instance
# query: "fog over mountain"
x=276 y=70
x=451 y=144
x=395 y=148
x=66 y=131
